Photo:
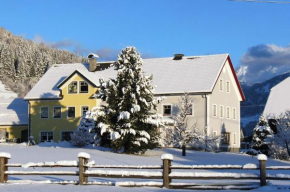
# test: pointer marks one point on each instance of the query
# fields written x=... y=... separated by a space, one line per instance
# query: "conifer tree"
x=126 y=123
x=262 y=135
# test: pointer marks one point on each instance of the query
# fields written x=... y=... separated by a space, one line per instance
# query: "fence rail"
x=166 y=172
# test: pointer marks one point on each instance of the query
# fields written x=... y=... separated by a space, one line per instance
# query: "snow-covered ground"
x=53 y=152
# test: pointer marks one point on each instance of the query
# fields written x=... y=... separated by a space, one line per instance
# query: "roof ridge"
x=188 y=56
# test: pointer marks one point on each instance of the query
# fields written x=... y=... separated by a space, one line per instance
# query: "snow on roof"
x=278 y=101
x=190 y=74
x=6 y=94
x=13 y=112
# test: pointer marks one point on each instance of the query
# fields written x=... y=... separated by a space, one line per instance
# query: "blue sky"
x=157 y=28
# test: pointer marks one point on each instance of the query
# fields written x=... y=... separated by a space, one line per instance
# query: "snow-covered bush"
x=280 y=142
x=80 y=138
x=182 y=133
x=31 y=141
x=262 y=136
x=126 y=122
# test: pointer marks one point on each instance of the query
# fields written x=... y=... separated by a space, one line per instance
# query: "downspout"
x=206 y=125
x=29 y=119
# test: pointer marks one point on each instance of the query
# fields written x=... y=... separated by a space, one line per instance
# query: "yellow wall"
x=64 y=123
x=14 y=131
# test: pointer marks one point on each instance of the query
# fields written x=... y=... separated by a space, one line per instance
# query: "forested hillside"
x=23 y=62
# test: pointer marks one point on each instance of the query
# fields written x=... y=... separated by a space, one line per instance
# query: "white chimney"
x=93 y=62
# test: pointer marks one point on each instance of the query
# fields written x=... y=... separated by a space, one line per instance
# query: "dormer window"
x=84 y=88
x=73 y=87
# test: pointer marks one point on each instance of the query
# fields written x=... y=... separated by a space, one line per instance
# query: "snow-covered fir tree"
x=280 y=142
x=262 y=135
x=126 y=122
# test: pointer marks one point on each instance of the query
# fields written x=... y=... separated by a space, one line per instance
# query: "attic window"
x=84 y=88
x=73 y=87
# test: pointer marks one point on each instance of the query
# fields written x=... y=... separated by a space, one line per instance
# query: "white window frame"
x=228 y=89
x=162 y=109
x=77 y=87
x=192 y=110
x=44 y=132
x=214 y=110
x=221 y=85
x=234 y=114
x=81 y=111
x=67 y=113
x=47 y=112
x=222 y=112
x=60 y=112
x=228 y=112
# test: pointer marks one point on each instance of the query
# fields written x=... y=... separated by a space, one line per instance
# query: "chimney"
x=93 y=62
x=178 y=56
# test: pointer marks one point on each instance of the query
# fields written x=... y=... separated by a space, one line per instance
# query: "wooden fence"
x=164 y=172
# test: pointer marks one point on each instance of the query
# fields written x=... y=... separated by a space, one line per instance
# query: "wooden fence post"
x=167 y=159
x=83 y=160
x=262 y=161
x=3 y=161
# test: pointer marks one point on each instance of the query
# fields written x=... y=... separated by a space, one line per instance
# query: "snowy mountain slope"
x=256 y=98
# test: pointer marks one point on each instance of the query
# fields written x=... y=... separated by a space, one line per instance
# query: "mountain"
x=256 y=99
x=23 y=62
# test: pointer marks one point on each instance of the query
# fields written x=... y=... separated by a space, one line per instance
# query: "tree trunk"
x=183 y=150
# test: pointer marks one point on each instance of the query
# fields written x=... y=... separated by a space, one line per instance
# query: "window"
x=190 y=110
x=214 y=112
x=221 y=111
x=226 y=138
x=84 y=110
x=66 y=135
x=228 y=112
x=44 y=112
x=84 y=88
x=71 y=112
x=166 y=109
x=73 y=87
x=46 y=136
x=221 y=84
x=228 y=86
x=214 y=133
x=57 y=112
x=234 y=113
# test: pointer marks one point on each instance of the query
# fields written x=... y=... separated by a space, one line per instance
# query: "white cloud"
x=264 y=62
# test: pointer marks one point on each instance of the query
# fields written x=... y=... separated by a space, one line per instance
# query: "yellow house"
x=65 y=92
x=13 y=120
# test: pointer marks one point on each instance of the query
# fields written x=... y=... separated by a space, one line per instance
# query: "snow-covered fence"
x=166 y=172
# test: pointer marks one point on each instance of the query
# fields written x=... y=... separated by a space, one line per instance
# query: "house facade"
x=64 y=93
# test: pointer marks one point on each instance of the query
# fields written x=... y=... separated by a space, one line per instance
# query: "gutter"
x=29 y=120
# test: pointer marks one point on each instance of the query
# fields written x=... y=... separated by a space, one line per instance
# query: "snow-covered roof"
x=13 y=112
x=278 y=100
x=190 y=74
x=6 y=94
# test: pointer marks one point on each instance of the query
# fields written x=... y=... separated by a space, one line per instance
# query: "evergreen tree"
x=262 y=135
x=126 y=122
